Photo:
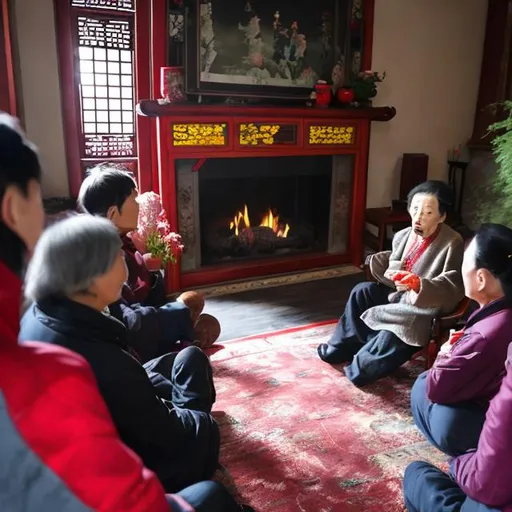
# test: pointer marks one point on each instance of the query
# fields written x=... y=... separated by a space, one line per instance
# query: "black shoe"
x=332 y=355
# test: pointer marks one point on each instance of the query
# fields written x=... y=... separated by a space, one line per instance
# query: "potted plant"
x=364 y=85
x=499 y=209
x=154 y=238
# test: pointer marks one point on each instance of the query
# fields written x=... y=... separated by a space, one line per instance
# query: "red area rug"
x=298 y=437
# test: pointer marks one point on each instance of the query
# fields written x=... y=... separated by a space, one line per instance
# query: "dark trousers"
x=209 y=496
x=175 y=325
x=428 y=489
x=185 y=378
x=453 y=429
x=374 y=354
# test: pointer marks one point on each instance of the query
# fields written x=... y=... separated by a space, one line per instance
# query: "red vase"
x=345 y=95
x=152 y=263
x=323 y=95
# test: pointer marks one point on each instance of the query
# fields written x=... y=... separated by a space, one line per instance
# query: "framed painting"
x=256 y=48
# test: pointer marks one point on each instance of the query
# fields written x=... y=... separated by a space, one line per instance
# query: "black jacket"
x=180 y=445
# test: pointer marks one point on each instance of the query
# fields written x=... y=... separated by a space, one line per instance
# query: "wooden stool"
x=382 y=218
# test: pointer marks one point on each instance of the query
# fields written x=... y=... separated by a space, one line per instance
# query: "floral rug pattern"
x=297 y=436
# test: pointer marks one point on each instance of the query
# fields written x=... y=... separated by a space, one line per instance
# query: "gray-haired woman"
x=78 y=269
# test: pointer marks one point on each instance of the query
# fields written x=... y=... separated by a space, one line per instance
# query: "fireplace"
x=258 y=190
x=246 y=209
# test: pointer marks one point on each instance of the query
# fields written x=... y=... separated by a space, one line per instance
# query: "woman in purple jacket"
x=450 y=400
x=480 y=480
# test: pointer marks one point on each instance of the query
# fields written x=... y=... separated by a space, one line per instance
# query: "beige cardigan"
x=439 y=269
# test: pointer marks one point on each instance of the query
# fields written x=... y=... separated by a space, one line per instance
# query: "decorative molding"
x=153 y=108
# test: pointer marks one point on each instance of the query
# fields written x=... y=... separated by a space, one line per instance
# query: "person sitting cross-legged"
x=386 y=322
x=479 y=481
x=163 y=413
x=450 y=400
x=155 y=324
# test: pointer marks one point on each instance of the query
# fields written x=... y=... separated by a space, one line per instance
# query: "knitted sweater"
x=439 y=269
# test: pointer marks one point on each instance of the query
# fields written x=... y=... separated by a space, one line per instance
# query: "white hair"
x=70 y=255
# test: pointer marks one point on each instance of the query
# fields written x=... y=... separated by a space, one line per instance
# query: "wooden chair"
x=441 y=325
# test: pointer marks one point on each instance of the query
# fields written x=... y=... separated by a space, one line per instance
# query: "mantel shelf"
x=152 y=108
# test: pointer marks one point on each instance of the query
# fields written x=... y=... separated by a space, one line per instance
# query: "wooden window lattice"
x=111 y=5
x=105 y=48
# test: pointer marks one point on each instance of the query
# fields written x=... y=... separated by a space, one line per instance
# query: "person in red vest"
x=59 y=449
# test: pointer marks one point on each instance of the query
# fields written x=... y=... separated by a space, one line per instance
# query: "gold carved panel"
x=267 y=134
x=331 y=135
x=199 y=134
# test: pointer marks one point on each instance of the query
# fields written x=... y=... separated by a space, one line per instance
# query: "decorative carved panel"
x=199 y=134
x=267 y=134
x=331 y=135
x=341 y=196
x=111 y=5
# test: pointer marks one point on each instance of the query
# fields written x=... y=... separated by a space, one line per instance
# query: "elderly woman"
x=78 y=269
x=449 y=402
x=386 y=322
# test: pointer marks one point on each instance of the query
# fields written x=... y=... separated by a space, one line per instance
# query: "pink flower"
x=153 y=234
x=257 y=60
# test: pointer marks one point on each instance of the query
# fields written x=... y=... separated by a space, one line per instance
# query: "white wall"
x=432 y=52
x=39 y=89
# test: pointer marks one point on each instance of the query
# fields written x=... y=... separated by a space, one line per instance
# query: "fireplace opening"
x=263 y=207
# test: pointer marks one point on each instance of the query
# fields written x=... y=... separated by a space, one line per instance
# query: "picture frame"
x=265 y=52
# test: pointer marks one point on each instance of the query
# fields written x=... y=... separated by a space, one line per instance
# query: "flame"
x=240 y=217
x=270 y=220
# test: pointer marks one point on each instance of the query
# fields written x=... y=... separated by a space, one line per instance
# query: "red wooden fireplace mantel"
x=200 y=132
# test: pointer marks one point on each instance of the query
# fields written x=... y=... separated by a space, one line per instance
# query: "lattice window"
x=105 y=52
x=111 y=5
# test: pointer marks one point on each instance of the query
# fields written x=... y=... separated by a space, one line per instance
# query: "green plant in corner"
x=499 y=209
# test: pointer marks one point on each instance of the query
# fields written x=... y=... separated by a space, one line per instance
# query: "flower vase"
x=364 y=92
x=153 y=263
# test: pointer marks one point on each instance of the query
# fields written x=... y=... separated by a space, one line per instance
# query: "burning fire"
x=270 y=220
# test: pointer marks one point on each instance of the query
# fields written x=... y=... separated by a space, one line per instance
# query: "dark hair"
x=494 y=253
x=106 y=185
x=439 y=189
x=19 y=165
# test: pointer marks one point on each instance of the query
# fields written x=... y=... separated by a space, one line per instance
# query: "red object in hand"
x=412 y=281
x=399 y=276
x=345 y=95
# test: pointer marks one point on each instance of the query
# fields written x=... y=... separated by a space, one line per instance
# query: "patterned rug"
x=298 y=437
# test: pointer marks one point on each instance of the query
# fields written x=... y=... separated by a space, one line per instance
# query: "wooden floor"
x=270 y=309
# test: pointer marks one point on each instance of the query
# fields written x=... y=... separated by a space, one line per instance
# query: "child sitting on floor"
x=155 y=325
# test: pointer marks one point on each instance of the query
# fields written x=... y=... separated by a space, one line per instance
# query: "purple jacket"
x=475 y=365
x=484 y=474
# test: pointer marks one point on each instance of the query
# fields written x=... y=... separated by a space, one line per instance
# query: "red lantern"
x=323 y=95
x=345 y=95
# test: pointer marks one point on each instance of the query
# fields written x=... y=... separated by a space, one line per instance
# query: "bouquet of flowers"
x=154 y=235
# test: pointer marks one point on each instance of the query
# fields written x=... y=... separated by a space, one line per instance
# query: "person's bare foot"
x=206 y=330
x=195 y=303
